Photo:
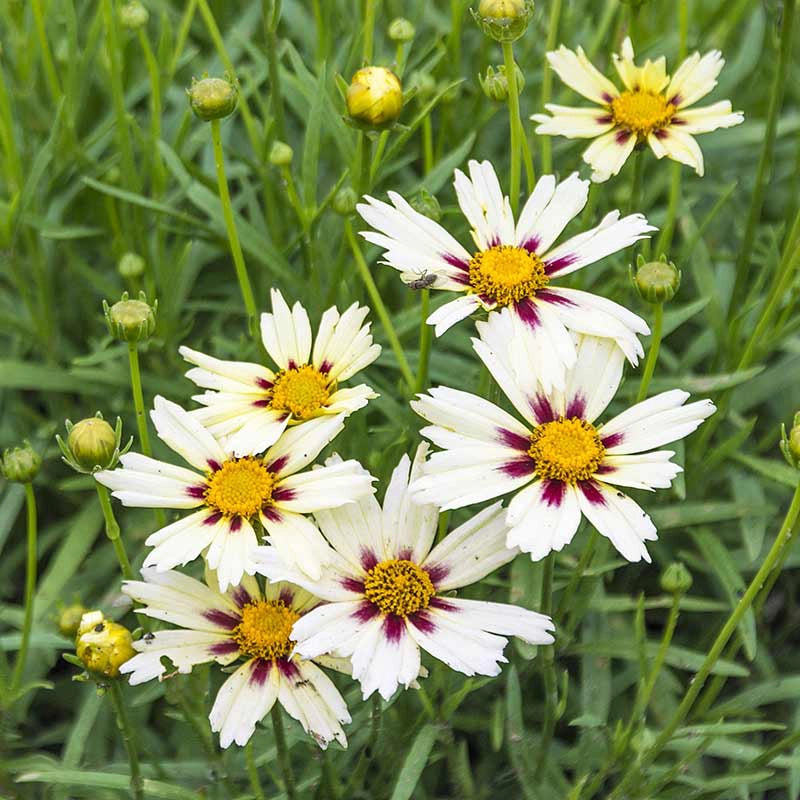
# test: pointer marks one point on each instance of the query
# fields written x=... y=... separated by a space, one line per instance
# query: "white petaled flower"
x=653 y=108
x=514 y=264
x=559 y=463
x=232 y=493
x=389 y=595
x=244 y=623
x=248 y=406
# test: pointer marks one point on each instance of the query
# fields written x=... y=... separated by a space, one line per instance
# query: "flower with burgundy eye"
x=559 y=462
x=248 y=406
x=651 y=109
x=244 y=623
x=515 y=265
x=389 y=593
x=233 y=492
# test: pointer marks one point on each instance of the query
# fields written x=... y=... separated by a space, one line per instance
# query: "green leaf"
x=414 y=763
x=105 y=780
x=311 y=142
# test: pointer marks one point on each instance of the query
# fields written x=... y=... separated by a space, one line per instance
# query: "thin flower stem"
x=138 y=398
x=252 y=771
x=548 y=672
x=50 y=72
x=744 y=260
x=728 y=629
x=113 y=532
x=364 y=157
x=369 y=30
x=128 y=738
x=230 y=224
x=283 y=753
x=183 y=34
x=380 y=308
x=515 y=124
x=158 y=176
x=424 y=341
x=636 y=182
x=652 y=353
x=427 y=143
x=30 y=588
x=547 y=82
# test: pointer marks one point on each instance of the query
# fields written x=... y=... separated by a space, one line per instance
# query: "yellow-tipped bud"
x=103 y=646
x=375 y=97
x=92 y=442
x=401 y=30
x=656 y=281
x=131 y=320
x=69 y=619
x=504 y=20
x=131 y=265
x=20 y=464
x=133 y=15
x=280 y=154
x=213 y=98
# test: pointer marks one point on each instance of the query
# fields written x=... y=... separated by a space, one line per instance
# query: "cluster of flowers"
x=361 y=588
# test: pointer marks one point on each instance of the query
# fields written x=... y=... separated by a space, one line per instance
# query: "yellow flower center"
x=567 y=450
x=642 y=112
x=264 y=630
x=398 y=587
x=301 y=390
x=506 y=274
x=240 y=487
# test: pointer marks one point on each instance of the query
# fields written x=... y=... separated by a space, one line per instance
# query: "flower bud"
x=656 y=281
x=676 y=578
x=504 y=20
x=131 y=320
x=131 y=266
x=344 y=201
x=20 y=464
x=495 y=83
x=69 y=619
x=401 y=30
x=280 y=154
x=213 y=98
x=133 y=15
x=103 y=646
x=92 y=442
x=374 y=97
x=424 y=202
x=790 y=444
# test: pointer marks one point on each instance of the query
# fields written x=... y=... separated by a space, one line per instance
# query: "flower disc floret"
x=567 y=450
x=506 y=274
x=642 y=112
x=398 y=586
x=240 y=487
x=301 y=391
x=264 y=630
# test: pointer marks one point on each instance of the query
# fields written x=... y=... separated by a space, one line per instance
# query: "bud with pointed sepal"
x=131 y=320
x=20 y=464
x=92 y=444
x=504 y=20
x=213 y=98
x=656 y=281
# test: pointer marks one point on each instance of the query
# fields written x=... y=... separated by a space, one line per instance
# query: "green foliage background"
x=72 y=202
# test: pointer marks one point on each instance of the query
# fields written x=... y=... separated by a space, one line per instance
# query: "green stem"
x=728 y=629
x=380 y=308
x=138 y=398
x=427 y=144
x=47 y=59
x=276 y=95
x=652 y=353
x=113 y=532
x=30 y=589
x=128 y=737
x=364 y=167
x=515 y=124
x=744 y=260
x=548 y=671
x=283 y=752
x=547 y=81
x=158 y=176
x=183 y=34
x=636 y=182
x=230 y=224
x=425 y=333
x=252 y=771
x=369 y=30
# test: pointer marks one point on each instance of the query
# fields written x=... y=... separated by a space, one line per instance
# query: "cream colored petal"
x=608 y=153
x=574 y=123
x=577 y=72
x=708 y=118
x=695 y=78
x=678 y=146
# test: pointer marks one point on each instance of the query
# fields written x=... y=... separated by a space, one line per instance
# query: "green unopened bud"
x=280 y=154
x=401 y=30
x=103 y=646
x=113 y=175
x=69 y=619
x=676 y=578
x=92 y=444
x=790 y=443
x=374 y=98
x=20 y=464
x=344 y=201
x=213 y=98
x=504 y=20
x=133 y=15
x=495 y=83
x=131 y=320
x=424 y=85
x=131 y=266
x=427 y=204
x=656 y=281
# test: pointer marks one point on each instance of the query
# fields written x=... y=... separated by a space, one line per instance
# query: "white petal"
x=324 y=487
x=216 y=373
x=595 y=377
x=677 y=145
x=231 y=553
x=450 y=313
x=300 y=445
x=503 y=618
x=695 y=78
x=483 y=204
x=286 y=333
x=298 y=541
x=607 y=154
x=184 y=540
x=344 y=343
x=708 y=118
x=575 y=69
x=332 y=627
x=540 y=197
x=185 y=435
x=573 y=123
x=643 y=471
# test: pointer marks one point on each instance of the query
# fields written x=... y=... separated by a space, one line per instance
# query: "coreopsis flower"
x=652 y=108
x=248 y=406
x=514 y=265
x=232 y=493
x=389 y=594
x=558 y=463
x=244 y=623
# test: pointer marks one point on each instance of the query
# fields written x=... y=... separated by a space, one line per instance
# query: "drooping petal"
x=450 y=313
x=184 y=540
x=677 y=145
